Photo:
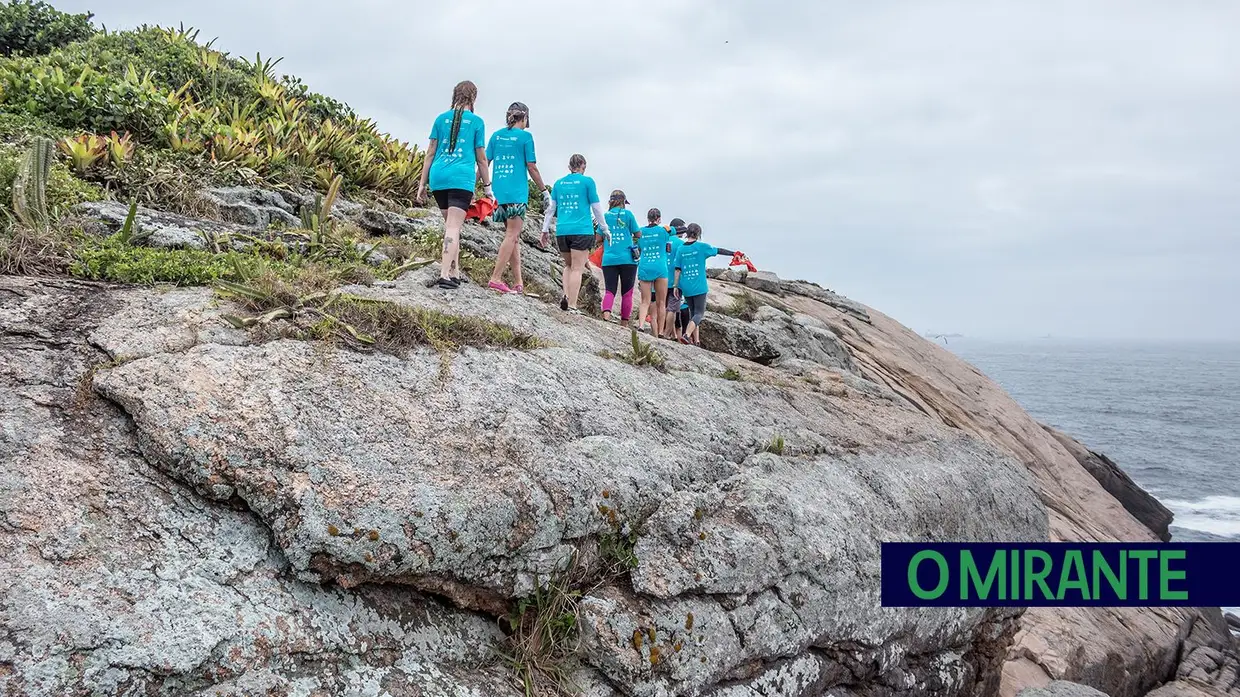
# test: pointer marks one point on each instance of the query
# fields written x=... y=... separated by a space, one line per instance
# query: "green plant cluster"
x=63 y=189
x=34 y=28
x=166 y=92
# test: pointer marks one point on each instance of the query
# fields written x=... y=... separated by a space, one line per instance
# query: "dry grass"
x=543 y=636
x=313 y=305
x=27 y=251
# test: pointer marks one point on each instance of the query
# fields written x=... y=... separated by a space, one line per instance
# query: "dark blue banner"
x=1050 y=574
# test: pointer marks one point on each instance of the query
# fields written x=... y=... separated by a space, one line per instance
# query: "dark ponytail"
x=463 y=96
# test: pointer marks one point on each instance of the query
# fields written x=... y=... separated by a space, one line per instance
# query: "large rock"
x=1133 y=498
x=253 y=207
x=1060 y=688
x=119 y=580
x=168 y=230
x=1124 y=652
x=739 y=338
x=765 y=281
x=774 y=336
x=268 y=518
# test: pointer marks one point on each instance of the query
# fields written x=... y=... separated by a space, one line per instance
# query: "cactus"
x=30 y=185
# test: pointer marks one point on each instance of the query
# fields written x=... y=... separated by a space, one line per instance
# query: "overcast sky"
x=998 y=169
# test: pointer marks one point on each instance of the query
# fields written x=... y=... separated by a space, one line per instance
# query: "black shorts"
x=574 y=243
x=453 y=198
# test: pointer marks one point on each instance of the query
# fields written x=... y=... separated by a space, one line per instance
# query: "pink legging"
x=625 y=277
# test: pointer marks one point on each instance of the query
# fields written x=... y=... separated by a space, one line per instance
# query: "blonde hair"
x=576 y=162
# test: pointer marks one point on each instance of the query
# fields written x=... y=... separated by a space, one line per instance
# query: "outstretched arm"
x=724 y=252
x=600 y=217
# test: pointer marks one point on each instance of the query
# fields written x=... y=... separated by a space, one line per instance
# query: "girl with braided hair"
x=456 y=157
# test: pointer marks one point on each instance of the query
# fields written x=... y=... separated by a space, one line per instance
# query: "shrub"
x=171 y=93
x=112 y=259
x=35 y=28
x=76 y=96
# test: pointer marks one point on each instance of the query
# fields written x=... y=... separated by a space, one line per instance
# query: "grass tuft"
x=363 y=323
x=776 y=446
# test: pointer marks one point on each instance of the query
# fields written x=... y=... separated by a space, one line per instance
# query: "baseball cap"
x=618 y=195
x=520 y=108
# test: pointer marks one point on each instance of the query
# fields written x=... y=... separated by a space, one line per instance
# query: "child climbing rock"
x=455 y=154
x=652 y=270
x=691 y=278
x=511 y=153
x=619 y=261
x=573 y=198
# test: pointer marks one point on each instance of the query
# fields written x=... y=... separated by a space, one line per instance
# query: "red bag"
x=739 y=258
x=596 y=257
x=481 y=208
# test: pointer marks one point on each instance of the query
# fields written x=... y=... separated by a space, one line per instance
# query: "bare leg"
x=454 y=220
x=516 y=251
x=508 y=250
x=643 y=289
x=660 y=306
x=572 y=280
x=669 y=325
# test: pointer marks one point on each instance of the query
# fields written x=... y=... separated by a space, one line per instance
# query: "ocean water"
x=1167 y=413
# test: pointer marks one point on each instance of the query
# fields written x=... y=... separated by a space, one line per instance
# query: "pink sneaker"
x=499 y=286
x=518 y=290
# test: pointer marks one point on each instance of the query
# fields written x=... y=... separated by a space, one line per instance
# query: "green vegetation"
x=639 y=354
x=543 y=634
x=732 y=374
x=34 y=28
x=743 y=306
x=317 y=311
x=776 y=446
x=111 y=99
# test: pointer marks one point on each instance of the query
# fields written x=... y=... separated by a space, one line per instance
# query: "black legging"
x=623 y=277
x=697 y=307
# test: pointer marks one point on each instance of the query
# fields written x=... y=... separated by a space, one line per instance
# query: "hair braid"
x=463 y=96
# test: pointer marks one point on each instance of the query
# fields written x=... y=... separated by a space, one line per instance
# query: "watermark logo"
x=1059 y=574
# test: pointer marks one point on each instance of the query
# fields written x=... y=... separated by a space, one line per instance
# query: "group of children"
x=666 y=263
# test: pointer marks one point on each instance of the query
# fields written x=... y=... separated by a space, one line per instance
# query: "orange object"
x=481 y=208
x=596 y=258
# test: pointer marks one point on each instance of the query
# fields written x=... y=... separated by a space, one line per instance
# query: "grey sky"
x=991 y=168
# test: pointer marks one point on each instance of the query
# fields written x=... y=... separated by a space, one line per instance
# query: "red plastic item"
x=481 y=208
x=596 y=257
x=739 y=258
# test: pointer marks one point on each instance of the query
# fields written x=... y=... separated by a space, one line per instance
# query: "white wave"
x=1217 y=515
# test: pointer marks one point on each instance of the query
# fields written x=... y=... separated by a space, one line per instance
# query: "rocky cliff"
x=192 y=508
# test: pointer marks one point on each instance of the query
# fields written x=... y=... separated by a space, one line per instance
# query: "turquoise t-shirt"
x=510 y=150
x=623 y=225
x=456 y=169
x=653 y=265
x=677 y=243
x=692 y=264
x=573 y=196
